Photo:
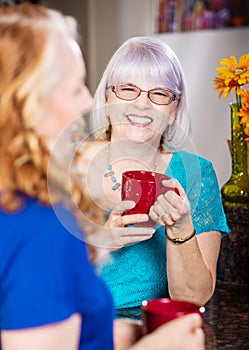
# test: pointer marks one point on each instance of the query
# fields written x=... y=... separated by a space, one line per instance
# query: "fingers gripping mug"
x=156 y=312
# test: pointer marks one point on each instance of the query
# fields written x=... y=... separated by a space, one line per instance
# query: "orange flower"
x=247 y=132
x=232 y=75
x=244 y=110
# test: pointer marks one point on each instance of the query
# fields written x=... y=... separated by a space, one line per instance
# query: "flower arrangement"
x=234 y=75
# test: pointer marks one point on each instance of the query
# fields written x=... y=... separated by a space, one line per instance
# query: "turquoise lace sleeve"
x=199 y=180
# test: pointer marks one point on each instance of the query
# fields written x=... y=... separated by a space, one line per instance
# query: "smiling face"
x=139 y=120
x=149 y=64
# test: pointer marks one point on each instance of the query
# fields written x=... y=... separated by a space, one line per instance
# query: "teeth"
x=139 y=120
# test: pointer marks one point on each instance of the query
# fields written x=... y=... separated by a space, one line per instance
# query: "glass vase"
x=235 y=192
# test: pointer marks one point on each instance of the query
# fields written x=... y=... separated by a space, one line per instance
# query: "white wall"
x=110 y=23
x=199 y=53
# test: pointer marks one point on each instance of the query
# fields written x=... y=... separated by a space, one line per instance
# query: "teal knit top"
x=138 y=271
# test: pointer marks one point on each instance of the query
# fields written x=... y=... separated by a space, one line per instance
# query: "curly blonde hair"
x=28 y=54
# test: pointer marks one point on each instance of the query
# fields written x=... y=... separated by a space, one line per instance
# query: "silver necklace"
x=111 y=173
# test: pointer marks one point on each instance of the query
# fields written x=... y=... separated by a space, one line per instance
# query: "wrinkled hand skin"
x=183 y=333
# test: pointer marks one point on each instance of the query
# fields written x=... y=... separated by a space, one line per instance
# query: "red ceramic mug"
x=143 y=187
x=156 y=312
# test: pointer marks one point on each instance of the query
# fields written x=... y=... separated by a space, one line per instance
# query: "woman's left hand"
x=126 y=333
x=171 y=209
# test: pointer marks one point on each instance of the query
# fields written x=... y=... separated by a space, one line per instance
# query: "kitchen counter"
x=226 y=324
x=233 y=265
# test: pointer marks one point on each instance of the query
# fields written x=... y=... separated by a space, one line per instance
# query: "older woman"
x=141 y=121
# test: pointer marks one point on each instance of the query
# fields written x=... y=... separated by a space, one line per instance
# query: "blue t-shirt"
x=45 y=276
x=138 y=271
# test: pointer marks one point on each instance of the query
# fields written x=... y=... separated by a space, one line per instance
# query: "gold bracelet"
x=180 y=240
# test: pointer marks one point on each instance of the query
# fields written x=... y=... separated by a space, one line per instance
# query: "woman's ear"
x=107 y=95
x=172 y=118
x=173 y=114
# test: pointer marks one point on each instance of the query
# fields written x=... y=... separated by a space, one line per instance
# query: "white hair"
x=151 y=59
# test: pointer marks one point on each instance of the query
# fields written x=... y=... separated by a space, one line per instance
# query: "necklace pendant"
x=116 y=186
x=109 y=173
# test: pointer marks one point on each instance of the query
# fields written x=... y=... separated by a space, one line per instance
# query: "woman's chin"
x=139 y=135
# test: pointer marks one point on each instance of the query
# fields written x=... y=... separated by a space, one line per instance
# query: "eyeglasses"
x=130 y=92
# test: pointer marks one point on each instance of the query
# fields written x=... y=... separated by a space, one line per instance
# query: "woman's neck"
x=130 y=149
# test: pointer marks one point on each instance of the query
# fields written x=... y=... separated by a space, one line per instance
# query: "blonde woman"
x=50 y=295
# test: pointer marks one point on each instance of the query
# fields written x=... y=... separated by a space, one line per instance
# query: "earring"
x=169 y=129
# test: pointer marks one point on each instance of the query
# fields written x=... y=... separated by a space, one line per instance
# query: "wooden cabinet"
x=233 y=265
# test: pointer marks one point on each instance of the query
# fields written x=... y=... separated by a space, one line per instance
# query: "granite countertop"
x=226 y=324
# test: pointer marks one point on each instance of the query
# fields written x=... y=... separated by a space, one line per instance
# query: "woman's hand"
x=170 y=209
x=126 y=333
x=184 y=333
x=119 y=230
